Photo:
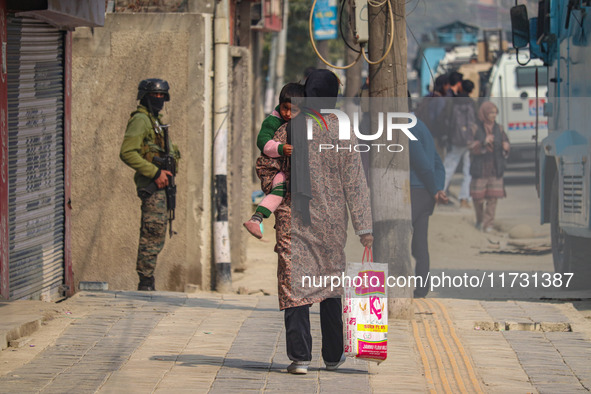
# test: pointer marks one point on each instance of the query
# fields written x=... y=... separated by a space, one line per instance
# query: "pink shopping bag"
x=365 y=309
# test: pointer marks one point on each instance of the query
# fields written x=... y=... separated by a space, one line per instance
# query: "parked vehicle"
x=559 y=37
x=512 y=86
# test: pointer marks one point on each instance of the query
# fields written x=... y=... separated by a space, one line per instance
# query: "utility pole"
x=221 y=235
x=281 y=50
x=389 y=173
x=258 y=91
x=271 y=75
x=353 y=74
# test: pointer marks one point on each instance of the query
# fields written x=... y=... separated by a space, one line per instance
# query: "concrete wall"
x=241 y=158
x=108 y=64
x=195 y=6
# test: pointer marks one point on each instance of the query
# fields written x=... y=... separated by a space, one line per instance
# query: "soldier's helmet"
x=153 y=85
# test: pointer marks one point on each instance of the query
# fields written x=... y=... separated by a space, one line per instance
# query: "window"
x=526 y=76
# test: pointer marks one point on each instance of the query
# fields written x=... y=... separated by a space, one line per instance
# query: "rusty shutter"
x=35 y=54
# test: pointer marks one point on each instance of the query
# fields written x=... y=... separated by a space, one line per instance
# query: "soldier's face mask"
x=154 y=102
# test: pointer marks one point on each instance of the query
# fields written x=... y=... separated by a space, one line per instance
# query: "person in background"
x=467 y=88
x=429 y=109
x=489 y=155
x=455 y=84
x=442 y=84
x=459 y=116
x=427 y=178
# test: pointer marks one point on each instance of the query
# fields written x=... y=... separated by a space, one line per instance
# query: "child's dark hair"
x=291 y=90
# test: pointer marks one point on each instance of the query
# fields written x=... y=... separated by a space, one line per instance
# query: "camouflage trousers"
x=152 y=232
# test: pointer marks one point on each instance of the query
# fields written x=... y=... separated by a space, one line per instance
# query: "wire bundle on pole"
x=316 y=49
x=372 y=3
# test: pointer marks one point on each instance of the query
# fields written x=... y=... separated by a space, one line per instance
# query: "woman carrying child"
x=326 y=189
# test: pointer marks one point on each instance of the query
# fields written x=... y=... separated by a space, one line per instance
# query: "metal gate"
x=36 y=217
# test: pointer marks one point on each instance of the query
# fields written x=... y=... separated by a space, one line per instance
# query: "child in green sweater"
x=270 y=152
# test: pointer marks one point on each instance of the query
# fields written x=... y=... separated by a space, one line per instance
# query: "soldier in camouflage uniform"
x=142 y=141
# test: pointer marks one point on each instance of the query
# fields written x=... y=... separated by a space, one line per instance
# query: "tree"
x=300 y=53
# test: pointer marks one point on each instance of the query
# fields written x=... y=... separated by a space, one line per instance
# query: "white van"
x=512 y=88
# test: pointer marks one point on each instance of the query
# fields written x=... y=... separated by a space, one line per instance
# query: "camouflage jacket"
x=141 y=143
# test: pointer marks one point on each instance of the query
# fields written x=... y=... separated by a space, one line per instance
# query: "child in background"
x=271 y=151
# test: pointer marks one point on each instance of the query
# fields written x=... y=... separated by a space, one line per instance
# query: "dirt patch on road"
x=454 y=242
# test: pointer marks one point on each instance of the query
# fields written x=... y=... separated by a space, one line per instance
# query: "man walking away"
x=426 y=188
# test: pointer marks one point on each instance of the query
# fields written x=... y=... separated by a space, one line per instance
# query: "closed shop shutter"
x=35 y=54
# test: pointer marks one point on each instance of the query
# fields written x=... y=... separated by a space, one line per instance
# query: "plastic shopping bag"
x=365 y=309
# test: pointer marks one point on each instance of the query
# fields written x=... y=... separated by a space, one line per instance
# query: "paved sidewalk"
x=19 y=319
x=140 y=342
x=532 y=348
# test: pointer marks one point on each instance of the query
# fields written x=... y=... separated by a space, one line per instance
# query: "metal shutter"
x=35 y=54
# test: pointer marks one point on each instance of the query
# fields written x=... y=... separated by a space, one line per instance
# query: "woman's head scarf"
x=322 y=88
x=485 y=109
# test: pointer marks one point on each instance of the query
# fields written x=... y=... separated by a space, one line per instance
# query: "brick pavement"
x=518 y=360
x=161 y=342
x=94 y=346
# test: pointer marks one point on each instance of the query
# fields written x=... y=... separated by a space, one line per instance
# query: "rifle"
x=167 y=163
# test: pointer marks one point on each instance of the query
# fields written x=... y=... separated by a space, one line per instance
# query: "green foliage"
x=300 y=53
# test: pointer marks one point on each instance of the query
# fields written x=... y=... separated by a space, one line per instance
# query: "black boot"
x=146 y=283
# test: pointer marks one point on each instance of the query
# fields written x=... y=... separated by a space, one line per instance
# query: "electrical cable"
x=391 y=35
x=581 y=23
x=414 y=9
x=316 y=49
x=341 y=28
x=376 y=4
x=409 y=13
x=372 y=3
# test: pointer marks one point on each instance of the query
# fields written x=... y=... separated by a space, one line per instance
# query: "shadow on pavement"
x=176 y=299
x=194 y=360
